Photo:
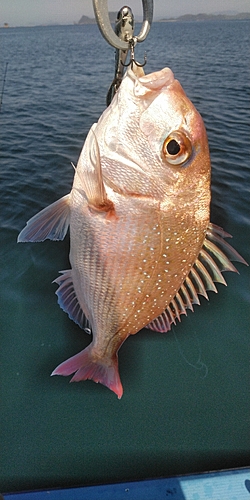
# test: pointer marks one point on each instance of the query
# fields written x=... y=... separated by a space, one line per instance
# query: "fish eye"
x=177 y=148
x=173 y=147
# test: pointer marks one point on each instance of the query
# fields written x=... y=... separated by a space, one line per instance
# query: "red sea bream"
x=141 y=243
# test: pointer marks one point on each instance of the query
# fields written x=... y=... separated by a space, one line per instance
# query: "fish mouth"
x=152 y=82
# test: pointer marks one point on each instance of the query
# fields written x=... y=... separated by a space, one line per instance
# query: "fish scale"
x=121 y=273
x=123 y=254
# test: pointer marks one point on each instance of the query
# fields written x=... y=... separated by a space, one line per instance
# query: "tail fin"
x=87 y=366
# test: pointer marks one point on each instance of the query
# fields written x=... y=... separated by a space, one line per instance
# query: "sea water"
x=186 y=393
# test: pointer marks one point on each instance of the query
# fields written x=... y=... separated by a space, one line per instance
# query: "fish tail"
x=86 y=365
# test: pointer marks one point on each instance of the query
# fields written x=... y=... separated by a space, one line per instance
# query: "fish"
x=142 y=246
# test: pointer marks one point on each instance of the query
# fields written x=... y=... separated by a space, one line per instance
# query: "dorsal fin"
x=214 y=257
x=68 y=300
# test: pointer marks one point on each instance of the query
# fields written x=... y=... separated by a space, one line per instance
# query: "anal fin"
x=68 y=300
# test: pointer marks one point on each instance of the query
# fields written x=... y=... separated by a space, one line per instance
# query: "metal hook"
x=102 y=18
x=124 y=29
x=132 y=57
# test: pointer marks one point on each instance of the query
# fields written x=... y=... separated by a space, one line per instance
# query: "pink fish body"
x=142 y=246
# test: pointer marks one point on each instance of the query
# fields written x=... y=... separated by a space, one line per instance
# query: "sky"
x=30 y=12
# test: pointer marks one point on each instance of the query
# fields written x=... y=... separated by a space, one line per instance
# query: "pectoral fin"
x=51 y=223
x=90 y=171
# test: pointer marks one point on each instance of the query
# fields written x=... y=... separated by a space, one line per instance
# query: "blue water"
x=186 y=393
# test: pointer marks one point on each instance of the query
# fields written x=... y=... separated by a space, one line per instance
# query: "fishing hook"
x=132 y=57
x=124 y=29
x=122 y=39
x=102 y=19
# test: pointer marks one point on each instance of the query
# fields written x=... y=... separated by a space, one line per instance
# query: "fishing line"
x=199 y=364
x=4 y=78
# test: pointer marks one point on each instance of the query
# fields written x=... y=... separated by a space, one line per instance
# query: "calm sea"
x=186 y=402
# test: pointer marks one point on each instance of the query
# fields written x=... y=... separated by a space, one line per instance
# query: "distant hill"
x=207 y=17
x=86 y=20
x=184 y=18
